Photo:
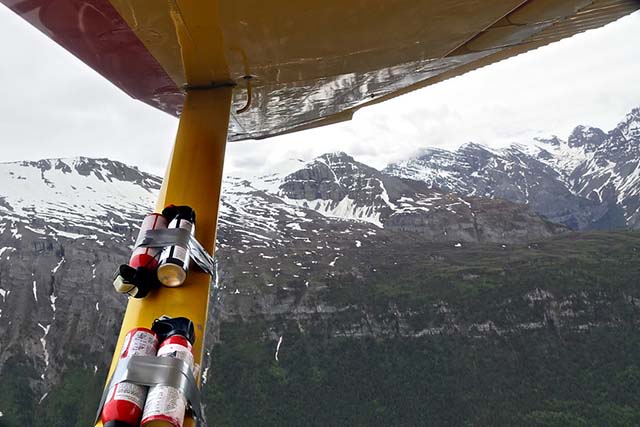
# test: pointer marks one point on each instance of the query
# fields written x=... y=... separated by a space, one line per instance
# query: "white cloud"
x=53 y=105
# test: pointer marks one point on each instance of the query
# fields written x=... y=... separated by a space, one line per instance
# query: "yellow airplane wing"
x=301 y=64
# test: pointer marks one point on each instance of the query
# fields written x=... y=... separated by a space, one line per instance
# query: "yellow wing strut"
x=193 y=178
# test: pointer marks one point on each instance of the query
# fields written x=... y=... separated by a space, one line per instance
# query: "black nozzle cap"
x=167 y=327
x=142 y=280
x=146 y=280
x=184 y=212
x=127 y=272
x=116 y=423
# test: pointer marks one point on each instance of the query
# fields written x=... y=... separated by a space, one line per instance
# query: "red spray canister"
x=166 y=406
x=148 y=257
x=139 y=276
x=125 y=401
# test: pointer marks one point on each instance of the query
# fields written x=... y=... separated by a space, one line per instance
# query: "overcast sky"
x=52 y=105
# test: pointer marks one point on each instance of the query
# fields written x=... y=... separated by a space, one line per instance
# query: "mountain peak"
x=586 y=136
x=633 y=115
x=472 y=146
x=477 y=150
x=336 y=156
x=103 y=169
x=553 y=141
x=630 y=126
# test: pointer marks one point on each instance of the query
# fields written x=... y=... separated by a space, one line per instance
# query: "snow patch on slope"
x=346 y=208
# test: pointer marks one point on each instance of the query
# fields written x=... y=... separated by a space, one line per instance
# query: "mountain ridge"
x=589 y=181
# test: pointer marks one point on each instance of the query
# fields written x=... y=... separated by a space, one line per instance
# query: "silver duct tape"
x=179 y=237
x=201 y=257
x=164 y=237
x=149 y=371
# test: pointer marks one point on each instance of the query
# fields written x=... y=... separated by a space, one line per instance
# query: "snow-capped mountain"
x=509 y=174
x=611 y=172
x=591 y=180
x=65 y=224
x=337 y=186
x=283 y=241
x=77 y=197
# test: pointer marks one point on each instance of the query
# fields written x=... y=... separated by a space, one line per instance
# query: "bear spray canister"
x=166 y=405
x=125 y=401
x=148 y=257
x=139 y=276
x=174 y=260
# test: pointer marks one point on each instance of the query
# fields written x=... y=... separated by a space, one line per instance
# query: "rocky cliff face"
x=589 y=181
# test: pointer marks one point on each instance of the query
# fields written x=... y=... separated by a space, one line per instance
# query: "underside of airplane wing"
x=297 y=65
